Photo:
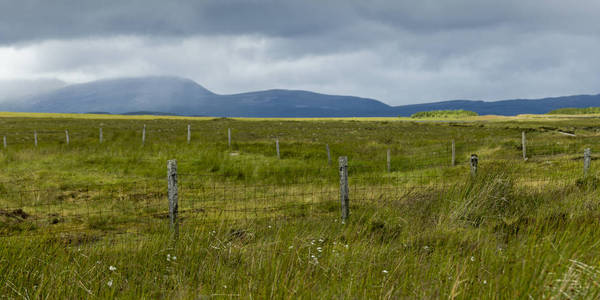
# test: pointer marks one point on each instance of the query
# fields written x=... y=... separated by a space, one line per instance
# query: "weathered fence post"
x=389 y=161
x=189 y=136
x=4 y=141
x=100 y=135
x=524 y=145
x=229 y=137
x=453 y=154
x=328 y=154
x=343 y=160
x=587 y=159
x=35 y=138
x=144 y=135
x=173 y=194
x=67 y=136
x=277 y=146
x=474 y=162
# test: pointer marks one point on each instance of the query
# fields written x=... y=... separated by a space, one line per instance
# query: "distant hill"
x=179 y=96
x=504 y=107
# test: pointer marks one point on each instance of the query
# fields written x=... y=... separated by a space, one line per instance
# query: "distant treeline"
x=455 y=113
x=575 y=111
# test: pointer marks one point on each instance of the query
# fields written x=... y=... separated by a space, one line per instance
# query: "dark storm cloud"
x=30 y=20
x=25 y=20
x=397 y=51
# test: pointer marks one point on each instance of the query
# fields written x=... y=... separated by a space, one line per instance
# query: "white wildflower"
x=385 y=271
x=174 y=257
x=112 y=268
x=484 y=281
x=472 y=258
x=168 y=257
x=109 y=283
x=319 y=249
x=321 y=240
x=291 y=247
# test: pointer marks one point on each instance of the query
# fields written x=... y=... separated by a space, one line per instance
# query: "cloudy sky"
x=399 y=52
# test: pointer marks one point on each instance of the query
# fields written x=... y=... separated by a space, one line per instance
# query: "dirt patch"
x=17 y=214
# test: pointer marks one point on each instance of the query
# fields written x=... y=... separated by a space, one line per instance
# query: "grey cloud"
x=17 y=88
x=30 y=20
x=396 y=51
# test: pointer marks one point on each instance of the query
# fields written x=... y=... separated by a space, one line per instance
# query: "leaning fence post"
x=277 y=146
x=524 y=145
x=67 y=136
x=173 y=194
x=453 y=154
x=4 y=140
x=144 y=135
x=328 y=154
x=229 y=137
x=100 y=135
x=35 y=138
x=189 y=136
x=343 y=160
x=389 y=161
x=587 y=158
x=474 y=161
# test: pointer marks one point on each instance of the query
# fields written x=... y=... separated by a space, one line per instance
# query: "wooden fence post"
x=189 y=136
x=35 y=138
x=67 y=136
x=474 y=162
x=524 y=145
x=4 y=140
x=229 y=137
x=343 y=161
x=100 y=136
x=453 y=154
x=173 y=194
x=587 y=159
x=389 y=161
x=144 y=135
x=277 y=146
x=328 y=154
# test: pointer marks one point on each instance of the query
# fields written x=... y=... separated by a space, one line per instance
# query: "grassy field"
x=89 y=219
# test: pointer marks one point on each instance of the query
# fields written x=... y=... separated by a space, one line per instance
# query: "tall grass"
x=425 y=230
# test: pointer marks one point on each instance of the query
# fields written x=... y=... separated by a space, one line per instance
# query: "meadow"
x=90 y=219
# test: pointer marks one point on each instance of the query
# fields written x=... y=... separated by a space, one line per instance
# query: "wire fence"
x=138 y=203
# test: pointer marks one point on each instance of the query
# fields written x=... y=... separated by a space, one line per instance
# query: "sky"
x=399 y=52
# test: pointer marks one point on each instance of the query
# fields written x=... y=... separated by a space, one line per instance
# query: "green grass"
x=444 y=114
x=575 y=111
x=254 y=226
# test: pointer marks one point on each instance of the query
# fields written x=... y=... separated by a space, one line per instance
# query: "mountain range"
x=180 y=96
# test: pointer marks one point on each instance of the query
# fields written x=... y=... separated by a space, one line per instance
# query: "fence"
x=436 y=153
x=188 y=198
x=141 y=203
